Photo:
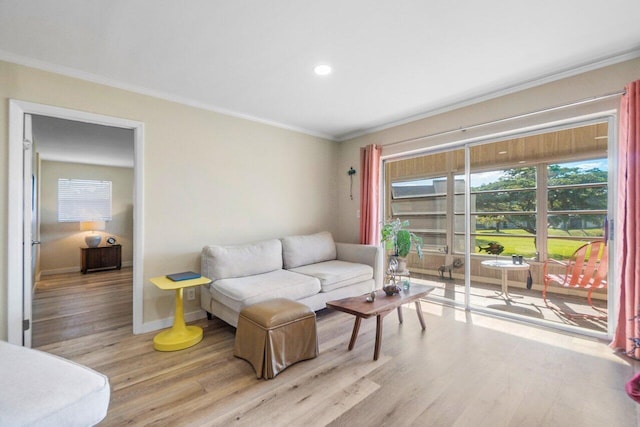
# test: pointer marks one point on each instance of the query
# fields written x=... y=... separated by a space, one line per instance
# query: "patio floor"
x=524 y=302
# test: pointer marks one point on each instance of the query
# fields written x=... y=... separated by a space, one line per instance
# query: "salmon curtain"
x=370 y=194
x=627 y=261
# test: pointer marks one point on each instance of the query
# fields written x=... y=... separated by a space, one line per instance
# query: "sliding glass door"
x=531 y=200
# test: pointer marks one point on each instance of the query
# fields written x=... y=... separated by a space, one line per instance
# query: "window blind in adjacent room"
x=83 y=200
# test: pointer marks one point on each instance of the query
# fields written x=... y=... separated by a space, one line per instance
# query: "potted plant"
x=397 y=238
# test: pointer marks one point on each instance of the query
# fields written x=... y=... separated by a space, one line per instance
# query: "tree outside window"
x=504 y=207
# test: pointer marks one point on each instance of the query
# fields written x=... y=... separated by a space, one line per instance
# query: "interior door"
x=29 y=223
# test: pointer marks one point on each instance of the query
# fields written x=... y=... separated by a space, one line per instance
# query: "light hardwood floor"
x=71 y=305
x=464 y=370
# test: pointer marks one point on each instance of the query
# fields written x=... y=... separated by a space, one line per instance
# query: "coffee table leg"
x=376 y=352
x=354 y=333
x=419 y=311
x=400 y=313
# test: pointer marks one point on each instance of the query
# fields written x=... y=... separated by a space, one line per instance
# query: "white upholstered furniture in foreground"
x=40 y=389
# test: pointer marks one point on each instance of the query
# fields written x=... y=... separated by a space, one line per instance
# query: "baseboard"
x=167 y=322
x=75 y=269
x=59 y=271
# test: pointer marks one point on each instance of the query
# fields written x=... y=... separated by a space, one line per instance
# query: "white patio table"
x=504 y=266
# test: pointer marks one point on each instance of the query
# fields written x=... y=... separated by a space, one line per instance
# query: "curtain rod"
x=508 y=119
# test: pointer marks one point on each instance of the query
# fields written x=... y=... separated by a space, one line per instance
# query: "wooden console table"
x=101 y=258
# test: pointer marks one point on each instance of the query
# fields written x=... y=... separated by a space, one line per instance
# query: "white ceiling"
x=392 y=60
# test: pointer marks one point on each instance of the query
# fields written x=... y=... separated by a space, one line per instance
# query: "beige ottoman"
x=275 y=334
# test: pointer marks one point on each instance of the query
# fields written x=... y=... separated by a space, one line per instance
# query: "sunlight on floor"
x=547 y=336
x=525 y=303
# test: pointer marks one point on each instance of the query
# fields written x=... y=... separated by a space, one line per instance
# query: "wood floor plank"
x=466 y=369
x=67 y=306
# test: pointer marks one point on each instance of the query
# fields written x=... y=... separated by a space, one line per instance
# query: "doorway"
x=20 y=290
x=82 y=172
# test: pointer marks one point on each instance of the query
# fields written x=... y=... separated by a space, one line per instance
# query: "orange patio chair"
x=587 y=269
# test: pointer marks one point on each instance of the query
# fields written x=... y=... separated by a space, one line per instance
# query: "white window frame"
x=541 y=212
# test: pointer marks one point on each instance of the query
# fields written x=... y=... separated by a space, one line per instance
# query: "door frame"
x=16 y=214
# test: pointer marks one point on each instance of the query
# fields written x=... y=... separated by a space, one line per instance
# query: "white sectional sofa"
x=310 y=269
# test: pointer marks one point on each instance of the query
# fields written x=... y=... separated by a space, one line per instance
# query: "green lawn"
x=524 y=245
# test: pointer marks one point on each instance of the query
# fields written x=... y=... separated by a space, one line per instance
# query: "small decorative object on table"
x=493 y=248
x=391 y=289
x=371 y=297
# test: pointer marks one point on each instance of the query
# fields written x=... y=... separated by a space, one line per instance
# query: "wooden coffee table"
x=383 y=305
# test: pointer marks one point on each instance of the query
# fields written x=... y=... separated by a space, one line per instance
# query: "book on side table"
x=185 y=275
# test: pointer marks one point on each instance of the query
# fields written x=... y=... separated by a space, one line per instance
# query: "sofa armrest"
x=363 y=254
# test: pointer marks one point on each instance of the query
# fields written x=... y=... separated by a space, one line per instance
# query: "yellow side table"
x=180 y=336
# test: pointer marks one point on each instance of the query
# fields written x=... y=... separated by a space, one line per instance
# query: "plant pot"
x=400 y=263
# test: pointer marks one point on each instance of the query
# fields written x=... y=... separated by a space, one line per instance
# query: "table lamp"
x=94 y=239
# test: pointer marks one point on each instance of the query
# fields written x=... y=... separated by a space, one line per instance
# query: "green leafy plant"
x=397 y=238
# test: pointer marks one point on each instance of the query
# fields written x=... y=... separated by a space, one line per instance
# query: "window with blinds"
x=83 y=200
x=423 y=201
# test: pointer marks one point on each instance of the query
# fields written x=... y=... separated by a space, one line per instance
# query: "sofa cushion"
x=40 y=389
x=310 y=249
x=336 y=274
x=223 y=262
x=237 y=293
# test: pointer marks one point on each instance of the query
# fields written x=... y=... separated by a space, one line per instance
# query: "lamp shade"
x=92 y=225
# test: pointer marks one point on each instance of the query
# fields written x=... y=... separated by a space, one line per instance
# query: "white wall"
x=61 y=241
x=208 y=178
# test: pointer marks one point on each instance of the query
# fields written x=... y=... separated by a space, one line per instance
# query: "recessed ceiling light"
x=322 y=69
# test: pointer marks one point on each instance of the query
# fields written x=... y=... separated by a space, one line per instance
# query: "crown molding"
x=548 y=78
x=94 y=78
